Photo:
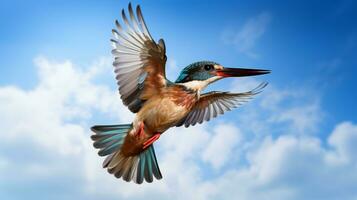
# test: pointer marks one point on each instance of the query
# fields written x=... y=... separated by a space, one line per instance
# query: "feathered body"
x=159 y=104
x=159 y=113
x=167 y=108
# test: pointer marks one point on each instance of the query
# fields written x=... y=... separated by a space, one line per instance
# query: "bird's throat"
x=199 y=85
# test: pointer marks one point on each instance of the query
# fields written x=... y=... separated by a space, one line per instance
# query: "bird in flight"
x=159 y=104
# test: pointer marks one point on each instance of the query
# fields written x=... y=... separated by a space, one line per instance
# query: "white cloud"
x=344 y=140
x=220 y=149
x=45 y=132
x=245 y=38
x=45 y=148
x=291 y=167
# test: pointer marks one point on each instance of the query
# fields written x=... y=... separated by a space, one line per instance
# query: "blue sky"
x=57 y=81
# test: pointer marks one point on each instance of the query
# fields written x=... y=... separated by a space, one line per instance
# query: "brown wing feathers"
x=139 y=62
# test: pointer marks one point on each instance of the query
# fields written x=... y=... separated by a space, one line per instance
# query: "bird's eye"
x=208 y=67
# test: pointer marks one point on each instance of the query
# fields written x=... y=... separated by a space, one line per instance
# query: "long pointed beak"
x=239 y=72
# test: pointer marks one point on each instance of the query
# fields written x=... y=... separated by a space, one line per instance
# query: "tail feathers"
x=134 y=168
x=147 y=166
x=109 y=140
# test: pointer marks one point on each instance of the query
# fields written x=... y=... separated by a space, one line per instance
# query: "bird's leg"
x=151 y=140
x=140 y=132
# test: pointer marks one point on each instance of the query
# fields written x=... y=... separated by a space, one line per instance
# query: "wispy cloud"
x=246 y=37
x=287 y=109
x=221 y=147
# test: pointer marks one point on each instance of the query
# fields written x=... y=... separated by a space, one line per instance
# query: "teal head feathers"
x=198 y=71
x=200 y=74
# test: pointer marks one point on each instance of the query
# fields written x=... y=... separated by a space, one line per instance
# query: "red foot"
x=151 y=140
x=140 y=132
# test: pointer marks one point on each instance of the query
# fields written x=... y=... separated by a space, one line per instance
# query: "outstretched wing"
x=139 y=61
x=212 y=104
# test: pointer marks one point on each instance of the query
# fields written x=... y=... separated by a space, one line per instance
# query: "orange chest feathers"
x=181 y=96
x=165 y=110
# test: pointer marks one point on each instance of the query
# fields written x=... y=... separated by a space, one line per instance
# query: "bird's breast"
x=165 y=110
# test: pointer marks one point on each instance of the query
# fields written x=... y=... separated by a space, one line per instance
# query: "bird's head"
x=199 y=74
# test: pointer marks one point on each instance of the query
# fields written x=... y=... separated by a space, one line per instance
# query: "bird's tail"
x=109 y=139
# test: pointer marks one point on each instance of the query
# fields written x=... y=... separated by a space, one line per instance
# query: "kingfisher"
x=159 y=104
